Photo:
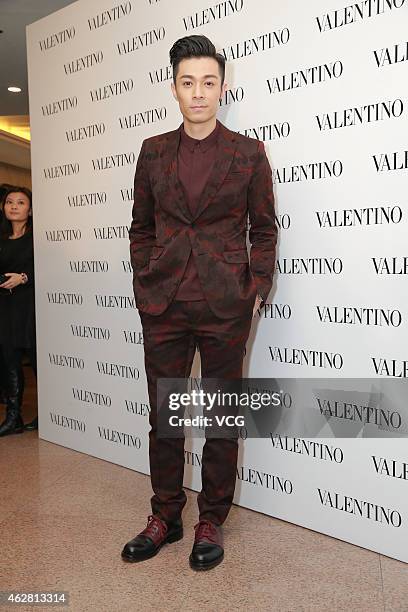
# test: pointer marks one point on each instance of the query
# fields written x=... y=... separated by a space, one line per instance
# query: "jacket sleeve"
x=26 y=263
x=263 y=231
x=142 y=232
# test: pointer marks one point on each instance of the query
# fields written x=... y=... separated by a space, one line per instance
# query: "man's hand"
x=258 y=300
x=13 y=280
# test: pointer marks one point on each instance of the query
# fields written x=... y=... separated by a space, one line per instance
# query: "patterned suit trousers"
x=170 y=341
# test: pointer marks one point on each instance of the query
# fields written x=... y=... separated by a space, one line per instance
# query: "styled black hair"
x=195 y=46
x=6 y=228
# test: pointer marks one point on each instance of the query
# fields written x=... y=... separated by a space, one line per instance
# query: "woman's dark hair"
x=195 y=46
x=6 y=228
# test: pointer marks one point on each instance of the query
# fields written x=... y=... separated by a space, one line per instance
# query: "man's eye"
x=210 y=83
x=186 y=82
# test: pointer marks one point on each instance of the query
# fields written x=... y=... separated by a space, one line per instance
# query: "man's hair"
x=195 y=46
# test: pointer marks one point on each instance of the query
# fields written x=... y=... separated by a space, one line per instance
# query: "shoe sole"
x=10 y=433
x=175 y=537
x=202 y=567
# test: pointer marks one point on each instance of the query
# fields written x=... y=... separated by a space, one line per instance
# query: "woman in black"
x=17 y=307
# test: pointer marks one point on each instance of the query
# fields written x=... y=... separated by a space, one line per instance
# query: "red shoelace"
x=156 y=529
x=205 y=530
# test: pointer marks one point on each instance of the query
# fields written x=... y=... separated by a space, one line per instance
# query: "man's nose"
x=197 y=91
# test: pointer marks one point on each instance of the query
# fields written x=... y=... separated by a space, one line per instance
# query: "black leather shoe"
x=13 y=423
x=32 y=425
x=208 y=548
x=149 y=541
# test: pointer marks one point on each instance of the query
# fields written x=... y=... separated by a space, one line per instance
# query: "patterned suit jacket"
x=163 y=231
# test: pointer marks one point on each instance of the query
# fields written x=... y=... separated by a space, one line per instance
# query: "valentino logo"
x=391 y=55
x=283 y=221
x=317 y=450
x=81 y=63
x=390 y=265
x=114 y=161
x=66 y=361
x=305 y=77
x=92 y=397
x=61 y=171
x=359 y=216
x=264 y=479
x=137 y=408
x=390 y=467
x=259 y=43
x=308 y=172
x=359 y=413
x=133 y=337
x=87 y=199
x=268 y=132
x=126 y=265
x=59 y=106
x=111 y=232
x=89 y=265
x=146 y=117
x=360 y=115
x=232 y=95
x=112 y=14
x=115 y=301
x=57 y=39
x=213 y=13
x=116 y=369
x=310 y=265
x=358 y=507
x=350 y=315
x=191 y=458
x=306 y=357
x=63 y=235
x=395 y=368
x=276 y=311
x=70 y=423
x=127 y=194
x=119 y=437
x=161 y=74
x=71 y=299
x=391 y=161
x=356 y=12
x=86 y=132
x=141 y=40
x=111 y=89
x=90 y=332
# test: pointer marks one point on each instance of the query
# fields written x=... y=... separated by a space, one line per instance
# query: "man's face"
x=198 y=88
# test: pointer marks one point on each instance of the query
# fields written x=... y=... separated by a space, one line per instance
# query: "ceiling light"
x=14 y=89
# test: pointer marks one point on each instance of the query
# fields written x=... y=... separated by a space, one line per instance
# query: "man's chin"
x=198 y=118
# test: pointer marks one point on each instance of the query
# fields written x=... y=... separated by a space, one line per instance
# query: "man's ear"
x=173 y=89
x=223 y=89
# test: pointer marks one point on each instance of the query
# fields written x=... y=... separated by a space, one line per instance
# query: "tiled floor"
x=65 y=516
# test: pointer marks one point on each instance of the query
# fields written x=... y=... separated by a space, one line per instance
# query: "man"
x=194 y=284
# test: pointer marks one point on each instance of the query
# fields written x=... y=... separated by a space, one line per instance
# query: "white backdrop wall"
x=324 y=85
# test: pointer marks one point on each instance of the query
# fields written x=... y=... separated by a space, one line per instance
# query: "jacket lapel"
x=225 y=150
x=170 y=179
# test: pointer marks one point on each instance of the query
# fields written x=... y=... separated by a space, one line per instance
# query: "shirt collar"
x=195 y=144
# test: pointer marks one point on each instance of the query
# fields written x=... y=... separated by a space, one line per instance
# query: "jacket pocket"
x=237 y=256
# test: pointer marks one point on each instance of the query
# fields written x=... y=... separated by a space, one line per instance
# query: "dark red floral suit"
x=166 y=228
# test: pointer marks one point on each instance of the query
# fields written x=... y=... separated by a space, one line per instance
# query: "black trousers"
x=13 y=374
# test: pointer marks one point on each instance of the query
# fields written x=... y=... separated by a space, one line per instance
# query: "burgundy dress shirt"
x=195 y=159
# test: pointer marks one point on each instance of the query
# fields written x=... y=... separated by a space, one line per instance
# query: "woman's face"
x=17 y=206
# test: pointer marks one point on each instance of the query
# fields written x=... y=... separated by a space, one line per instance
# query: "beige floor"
x=65 y=516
